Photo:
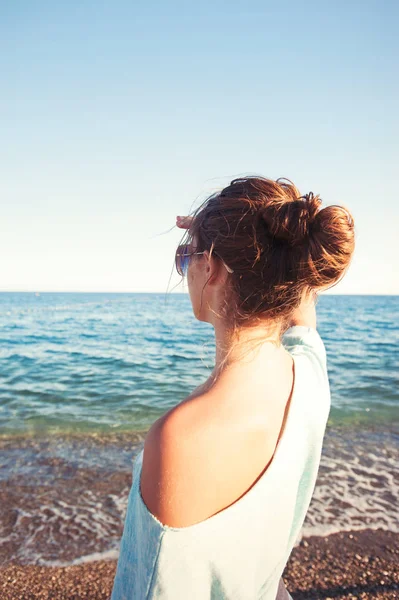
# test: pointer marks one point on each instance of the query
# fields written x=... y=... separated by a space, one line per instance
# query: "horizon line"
x=168 y=293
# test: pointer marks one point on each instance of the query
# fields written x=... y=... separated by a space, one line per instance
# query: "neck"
x=250 y=347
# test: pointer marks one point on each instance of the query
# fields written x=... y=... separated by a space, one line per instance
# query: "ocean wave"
x=64 y=500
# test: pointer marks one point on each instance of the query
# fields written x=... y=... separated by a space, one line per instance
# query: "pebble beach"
x=85 y=376
x=344 y=566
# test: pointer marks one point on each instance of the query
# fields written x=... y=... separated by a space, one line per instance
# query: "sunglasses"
x=182 y=259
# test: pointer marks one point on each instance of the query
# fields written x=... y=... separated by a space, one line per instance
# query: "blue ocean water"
x=98 y=362
x=83 y=377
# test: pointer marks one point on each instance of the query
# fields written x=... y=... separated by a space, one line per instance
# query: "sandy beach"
x=340 y=566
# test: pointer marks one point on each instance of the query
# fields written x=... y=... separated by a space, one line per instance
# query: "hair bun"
x=291 y=220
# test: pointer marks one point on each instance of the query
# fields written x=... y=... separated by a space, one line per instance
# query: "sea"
x=84 y=375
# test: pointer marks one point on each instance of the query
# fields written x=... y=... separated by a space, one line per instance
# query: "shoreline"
x=346 y=565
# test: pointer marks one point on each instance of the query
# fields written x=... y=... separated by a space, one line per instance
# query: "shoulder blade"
x=190 y=473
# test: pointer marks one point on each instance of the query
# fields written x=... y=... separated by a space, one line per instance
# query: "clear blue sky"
x=117 y=116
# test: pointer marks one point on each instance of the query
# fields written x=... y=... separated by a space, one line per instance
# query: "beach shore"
x=340 y=566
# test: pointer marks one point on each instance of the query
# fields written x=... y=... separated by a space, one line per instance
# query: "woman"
x=222 y=486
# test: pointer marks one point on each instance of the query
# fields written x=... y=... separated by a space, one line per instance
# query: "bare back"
x=222 y=441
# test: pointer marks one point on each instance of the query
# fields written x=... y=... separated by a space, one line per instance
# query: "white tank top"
x=238 y=553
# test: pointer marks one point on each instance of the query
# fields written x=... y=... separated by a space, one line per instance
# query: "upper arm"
x=167 y=484
x=305 y=313
x=152 y=477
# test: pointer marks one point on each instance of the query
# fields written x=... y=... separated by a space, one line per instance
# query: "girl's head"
x=259 y=246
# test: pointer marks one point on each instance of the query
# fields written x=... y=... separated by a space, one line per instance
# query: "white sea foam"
x=357 y=488
x=80 y=519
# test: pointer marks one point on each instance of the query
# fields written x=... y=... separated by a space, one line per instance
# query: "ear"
x=213 y=268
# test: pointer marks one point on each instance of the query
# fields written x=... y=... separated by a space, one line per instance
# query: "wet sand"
x=341 y=566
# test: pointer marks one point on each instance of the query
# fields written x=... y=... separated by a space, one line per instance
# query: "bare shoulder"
x=194 y=466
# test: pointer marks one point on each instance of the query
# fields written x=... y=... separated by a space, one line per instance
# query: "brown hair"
x=278 y=243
